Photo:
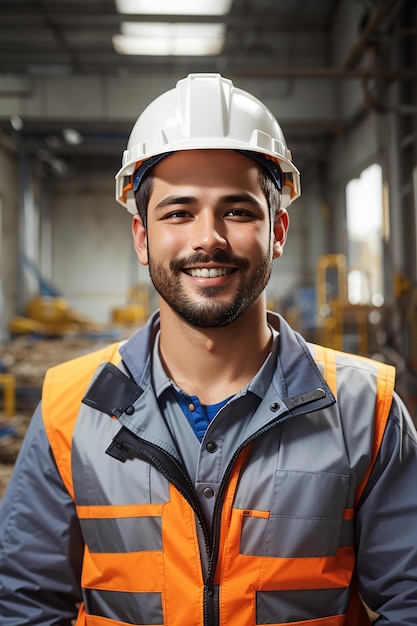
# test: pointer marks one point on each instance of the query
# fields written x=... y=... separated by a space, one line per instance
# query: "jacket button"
x=208 y=493
x=211 y=446
x=274 y=406
x=130 y=410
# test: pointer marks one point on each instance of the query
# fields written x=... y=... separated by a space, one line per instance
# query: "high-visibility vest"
x=293 y=558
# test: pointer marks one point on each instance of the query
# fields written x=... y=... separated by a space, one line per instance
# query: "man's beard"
x=211 y=312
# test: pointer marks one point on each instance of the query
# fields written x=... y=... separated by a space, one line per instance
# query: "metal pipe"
x=355 y=54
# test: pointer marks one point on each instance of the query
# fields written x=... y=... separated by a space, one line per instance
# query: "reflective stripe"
x=274 y=607
x=129 y=608
x=130 y=534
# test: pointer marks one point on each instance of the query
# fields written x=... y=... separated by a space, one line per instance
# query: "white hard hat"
x=206 y=111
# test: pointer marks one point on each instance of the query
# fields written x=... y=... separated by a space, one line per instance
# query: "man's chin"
x=205 y=316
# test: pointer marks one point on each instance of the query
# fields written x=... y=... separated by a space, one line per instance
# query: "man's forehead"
x=188 y=162
x=209 y=154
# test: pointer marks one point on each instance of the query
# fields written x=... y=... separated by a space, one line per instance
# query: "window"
x=365 y=228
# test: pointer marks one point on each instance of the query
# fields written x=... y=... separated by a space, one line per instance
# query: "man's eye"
x=239 y=213
x=177 y=215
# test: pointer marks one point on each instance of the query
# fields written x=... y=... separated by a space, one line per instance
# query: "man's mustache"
x=220 y=257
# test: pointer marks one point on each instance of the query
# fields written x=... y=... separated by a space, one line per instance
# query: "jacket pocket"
x=306 y=517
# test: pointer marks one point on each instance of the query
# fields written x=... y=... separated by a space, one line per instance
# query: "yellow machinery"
x=342 y=325
x=49 y=316
x=8 y=383
x=137 y=308
x=49 y=313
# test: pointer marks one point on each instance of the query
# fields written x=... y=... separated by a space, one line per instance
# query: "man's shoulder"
x=80 y=367
x=347 y=359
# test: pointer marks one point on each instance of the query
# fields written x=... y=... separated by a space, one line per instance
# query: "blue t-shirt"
x=199 y=415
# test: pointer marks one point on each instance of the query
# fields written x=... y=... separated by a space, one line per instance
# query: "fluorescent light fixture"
x=170 y=39
x=174 y=7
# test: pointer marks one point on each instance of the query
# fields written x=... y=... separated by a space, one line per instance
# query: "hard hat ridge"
x=197 y=119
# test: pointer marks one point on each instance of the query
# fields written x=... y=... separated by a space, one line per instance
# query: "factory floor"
x=27 y=359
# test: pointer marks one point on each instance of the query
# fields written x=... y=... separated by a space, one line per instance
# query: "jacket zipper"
x=168 y=466
x=174 y=472
x=211 y=596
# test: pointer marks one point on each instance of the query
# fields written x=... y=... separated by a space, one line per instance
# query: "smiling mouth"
x=212 y=272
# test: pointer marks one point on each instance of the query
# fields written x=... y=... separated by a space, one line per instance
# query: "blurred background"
x=341 y=78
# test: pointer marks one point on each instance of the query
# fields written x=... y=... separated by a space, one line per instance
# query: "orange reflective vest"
x=281 y=547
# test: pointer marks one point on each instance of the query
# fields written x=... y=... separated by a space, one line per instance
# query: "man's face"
x=208 y=240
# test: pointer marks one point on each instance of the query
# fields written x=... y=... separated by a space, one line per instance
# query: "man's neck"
x=214 y=363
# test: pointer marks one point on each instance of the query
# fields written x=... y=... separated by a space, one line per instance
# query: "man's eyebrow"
x=173 y=200
x=237 y=198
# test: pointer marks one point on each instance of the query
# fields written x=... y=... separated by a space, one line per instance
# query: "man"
x=214 y=469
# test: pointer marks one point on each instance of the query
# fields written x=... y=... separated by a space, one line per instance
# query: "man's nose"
x=208 y=233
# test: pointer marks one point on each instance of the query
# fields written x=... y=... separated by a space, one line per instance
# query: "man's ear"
x=140 y=240
x=281 y=224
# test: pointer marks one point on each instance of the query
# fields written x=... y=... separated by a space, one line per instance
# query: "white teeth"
x=213 y=272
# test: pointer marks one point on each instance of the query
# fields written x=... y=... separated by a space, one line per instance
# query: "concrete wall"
x=93 y=261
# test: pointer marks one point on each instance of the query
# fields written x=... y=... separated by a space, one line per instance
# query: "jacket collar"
x=303 y=385
x=300 y=381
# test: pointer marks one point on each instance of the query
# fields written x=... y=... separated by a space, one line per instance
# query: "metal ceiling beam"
x=110 y=62
x=331 y=73
x=82 y=19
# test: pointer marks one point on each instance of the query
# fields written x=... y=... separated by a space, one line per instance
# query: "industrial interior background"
x=341 y=78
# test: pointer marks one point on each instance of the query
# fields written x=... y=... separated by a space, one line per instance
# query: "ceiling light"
x=16 y=122
x=171 y=7
x=72 y=136
x=170 y=39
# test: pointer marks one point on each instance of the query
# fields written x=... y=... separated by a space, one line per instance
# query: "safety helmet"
x=206 y=111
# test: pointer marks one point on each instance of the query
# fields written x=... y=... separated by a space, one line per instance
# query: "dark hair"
x=272 y=194
x=271 y=191
x=142 y=196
